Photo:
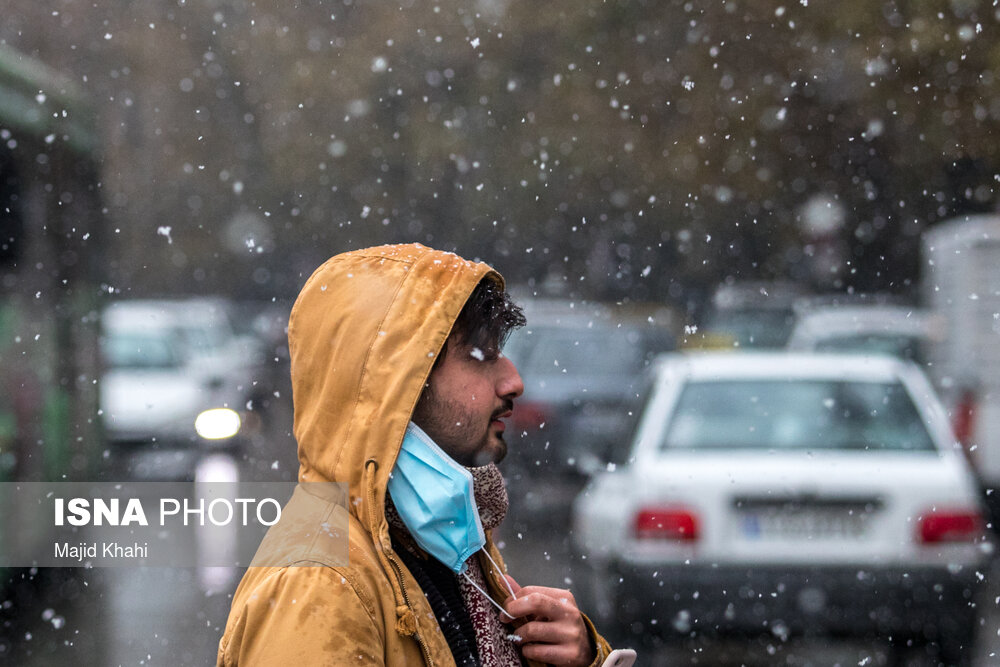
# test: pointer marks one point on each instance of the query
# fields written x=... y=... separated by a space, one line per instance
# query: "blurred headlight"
x=217 y=424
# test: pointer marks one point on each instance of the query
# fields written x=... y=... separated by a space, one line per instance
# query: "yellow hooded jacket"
x=363 y=335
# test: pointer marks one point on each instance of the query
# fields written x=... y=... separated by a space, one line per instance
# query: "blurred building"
x=51 y=247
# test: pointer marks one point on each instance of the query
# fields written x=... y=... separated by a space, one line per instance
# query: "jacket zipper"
x=402 y=585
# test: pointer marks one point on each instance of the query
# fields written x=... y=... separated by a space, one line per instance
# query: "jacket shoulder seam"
x=366 y=602
x=346 y=576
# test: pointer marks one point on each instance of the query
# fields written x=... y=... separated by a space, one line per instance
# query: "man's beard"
x=451 y=427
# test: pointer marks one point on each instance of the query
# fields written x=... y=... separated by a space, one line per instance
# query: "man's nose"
x=509 y=383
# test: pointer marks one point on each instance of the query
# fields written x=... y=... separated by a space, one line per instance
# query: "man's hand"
x=549 y=625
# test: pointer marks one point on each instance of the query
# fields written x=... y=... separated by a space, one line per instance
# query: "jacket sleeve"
x=603 y=648
x=297 y=614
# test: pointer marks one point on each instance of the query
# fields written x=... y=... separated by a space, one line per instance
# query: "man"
x=396 y=368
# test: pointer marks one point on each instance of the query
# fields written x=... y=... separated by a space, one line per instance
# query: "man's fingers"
x=552 y=654
x=505 y=617
x=540 y=605
x=549 y=626
x=547 y=632
x=560 y=594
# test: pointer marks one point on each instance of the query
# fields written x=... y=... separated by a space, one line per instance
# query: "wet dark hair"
x=487 y=319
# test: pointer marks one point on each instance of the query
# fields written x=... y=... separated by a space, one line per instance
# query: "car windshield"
x=796 y=415
x=203 y=339
x=141 y=350
x=903 y=347
x=753 y=327
x=541 y=351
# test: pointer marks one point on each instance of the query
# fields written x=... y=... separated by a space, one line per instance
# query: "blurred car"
x=959 y=283
x=216 y=351
x=786 y=494
x=158 y=412
x=748 y=315
x=900 y=331
x=582 y=373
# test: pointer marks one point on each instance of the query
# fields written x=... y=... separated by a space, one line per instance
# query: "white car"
x=901 y=331
x=786 y=493
x=158 y=411
x=581 y=372
x=224 y=358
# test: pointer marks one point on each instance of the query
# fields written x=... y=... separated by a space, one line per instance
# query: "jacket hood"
x=363 y=336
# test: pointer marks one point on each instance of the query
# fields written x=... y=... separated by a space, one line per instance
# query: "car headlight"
x=217 y=424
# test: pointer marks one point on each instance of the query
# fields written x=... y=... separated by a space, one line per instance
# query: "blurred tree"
x=610 y=149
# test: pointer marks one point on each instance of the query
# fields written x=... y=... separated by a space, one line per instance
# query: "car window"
x=140 y=350
x=202 y=339
x=635 y=406
x=565 y=351
x=902 y=347
x=796 y=415
x=753 y=327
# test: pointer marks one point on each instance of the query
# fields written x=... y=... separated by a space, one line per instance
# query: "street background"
x=698 y=170
x=175 y=616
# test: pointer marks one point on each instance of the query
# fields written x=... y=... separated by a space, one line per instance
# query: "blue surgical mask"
x=434 y=497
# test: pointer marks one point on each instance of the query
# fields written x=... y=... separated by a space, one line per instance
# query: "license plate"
x=802 y=525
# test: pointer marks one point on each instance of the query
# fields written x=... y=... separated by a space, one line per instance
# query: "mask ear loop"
x=465 y=573
x=503 y=578
x=484 y=593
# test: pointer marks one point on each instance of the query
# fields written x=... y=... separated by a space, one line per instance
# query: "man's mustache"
x=508 y=406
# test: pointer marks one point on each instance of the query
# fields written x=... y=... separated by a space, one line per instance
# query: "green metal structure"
x=39 y=101
x=51 y=254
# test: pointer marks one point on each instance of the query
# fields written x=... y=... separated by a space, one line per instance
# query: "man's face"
x=467 y=395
